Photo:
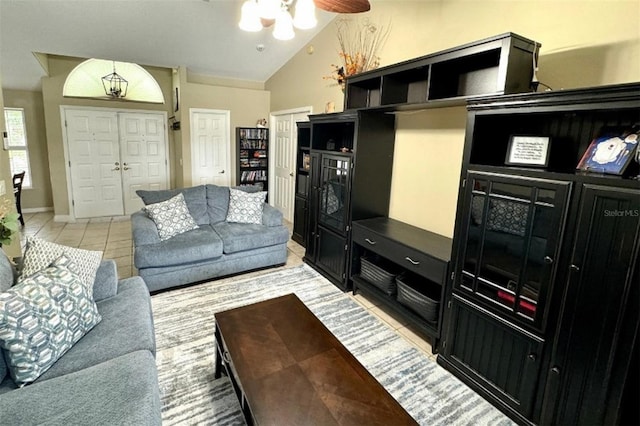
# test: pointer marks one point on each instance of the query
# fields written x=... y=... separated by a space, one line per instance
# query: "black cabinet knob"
x=533 y=356
x=548 y=260
x=555 y=370
x=575 y=268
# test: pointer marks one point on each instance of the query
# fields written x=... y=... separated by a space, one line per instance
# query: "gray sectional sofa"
x=215 y=249
x=108 y=377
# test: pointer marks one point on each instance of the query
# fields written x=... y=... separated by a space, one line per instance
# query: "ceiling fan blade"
x=343 y=6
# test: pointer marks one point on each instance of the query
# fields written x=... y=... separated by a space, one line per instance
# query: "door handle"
x=222 y=172
x=115 y=169
x=291 y=174
x=414 y=262
x=373 y=243
x=125 y=168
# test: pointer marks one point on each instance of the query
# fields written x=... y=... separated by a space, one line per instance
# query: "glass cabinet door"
x=334 y=192
x=512 y=228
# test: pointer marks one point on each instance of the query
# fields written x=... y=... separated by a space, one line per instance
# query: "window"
x=17 y=138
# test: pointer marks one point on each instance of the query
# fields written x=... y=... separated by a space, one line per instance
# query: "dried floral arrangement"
x=360 y=42
x=8 y=221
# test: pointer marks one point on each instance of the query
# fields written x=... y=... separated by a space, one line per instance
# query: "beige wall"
x=247 y=104
x=39 y=195
x=59 y=69
x=12 y=250
x=583 y=44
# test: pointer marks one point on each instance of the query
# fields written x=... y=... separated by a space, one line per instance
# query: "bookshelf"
x=498 y=65
x=252 y=152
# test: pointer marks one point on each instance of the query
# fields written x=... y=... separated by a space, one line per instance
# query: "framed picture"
x=532 y=151
x=610 y=153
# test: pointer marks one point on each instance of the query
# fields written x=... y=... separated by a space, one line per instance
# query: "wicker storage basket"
x=381 y=274
x=419 y=298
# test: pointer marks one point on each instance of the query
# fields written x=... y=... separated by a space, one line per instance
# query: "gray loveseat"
x=215 y=249
x=108 y=377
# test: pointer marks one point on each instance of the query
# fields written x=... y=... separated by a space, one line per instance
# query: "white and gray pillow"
x=41 y=254
x=42 y=317
x=245 y=207
x=171 y=217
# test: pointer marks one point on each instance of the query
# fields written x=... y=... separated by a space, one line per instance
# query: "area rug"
x=184 y=323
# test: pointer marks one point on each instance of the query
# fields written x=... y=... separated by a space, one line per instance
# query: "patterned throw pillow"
x=40 y=254
x=330 y=201
x=171 y=217
x=42 y=317
x=245 y=207
x=508 y=216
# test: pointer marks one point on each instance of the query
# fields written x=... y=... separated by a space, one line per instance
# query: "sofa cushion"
x=42 y=318
x=193 y=246
x=121 y=391
x=245 y=207
x=106 y=284
x=171 y=217
x=40 y=254
x=217 y=203
x=126 y=326
x=195 y=197
x=238 y=237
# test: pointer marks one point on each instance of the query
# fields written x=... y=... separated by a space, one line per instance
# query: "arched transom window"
x=85 y=81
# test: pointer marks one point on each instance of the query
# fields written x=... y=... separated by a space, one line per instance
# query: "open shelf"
x=365 y=93
x=333 y=136
x=497 y=65
x=470 y=75
x=570 y=133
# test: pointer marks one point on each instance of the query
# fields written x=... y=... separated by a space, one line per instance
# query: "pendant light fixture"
x=114 y=84
x=259 y=14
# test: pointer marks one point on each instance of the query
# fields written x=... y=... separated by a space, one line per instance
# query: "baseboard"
x=63 y=218
x=37 y=210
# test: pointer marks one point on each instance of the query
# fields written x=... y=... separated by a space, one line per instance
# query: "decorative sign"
x=530 y=151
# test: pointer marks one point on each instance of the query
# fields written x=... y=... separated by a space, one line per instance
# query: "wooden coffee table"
x=288 y=369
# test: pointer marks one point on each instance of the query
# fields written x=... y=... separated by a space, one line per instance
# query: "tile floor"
x=113 y=237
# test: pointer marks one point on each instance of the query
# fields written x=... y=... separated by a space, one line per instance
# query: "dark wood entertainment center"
x=542 y=315
x=536 y=307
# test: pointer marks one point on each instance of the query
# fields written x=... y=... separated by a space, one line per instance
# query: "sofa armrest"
x=106 y=282
x=144 y=229
x=271 y=216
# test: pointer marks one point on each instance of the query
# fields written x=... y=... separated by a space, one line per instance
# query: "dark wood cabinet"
x=351 y=158
x=542 y=314
x=592 y=359
x=500 y=358
x=252 y=149
x=512 y=229
x=303 y=167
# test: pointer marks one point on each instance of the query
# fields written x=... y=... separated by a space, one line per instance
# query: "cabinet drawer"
x=410 y=259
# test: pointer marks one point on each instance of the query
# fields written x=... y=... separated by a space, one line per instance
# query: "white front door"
x=210 y=142
x=284 y=161
x=143 y=156
x=94 y=163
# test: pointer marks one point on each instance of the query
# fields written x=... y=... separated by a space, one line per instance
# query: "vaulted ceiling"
x=198 y=34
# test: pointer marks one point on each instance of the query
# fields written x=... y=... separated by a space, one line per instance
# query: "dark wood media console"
x=407 y=251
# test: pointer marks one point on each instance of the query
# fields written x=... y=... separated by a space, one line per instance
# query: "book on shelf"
x=253 y=175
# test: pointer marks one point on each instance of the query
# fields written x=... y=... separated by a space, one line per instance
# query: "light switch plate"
x=3 y=189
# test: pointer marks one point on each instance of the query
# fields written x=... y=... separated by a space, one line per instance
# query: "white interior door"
x=94 y=158
x=143 y=156
x=284 y=147
x=210 y=142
